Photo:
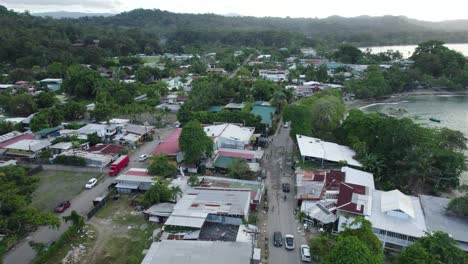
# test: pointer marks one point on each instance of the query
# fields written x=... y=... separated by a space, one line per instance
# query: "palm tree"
x=175 y=192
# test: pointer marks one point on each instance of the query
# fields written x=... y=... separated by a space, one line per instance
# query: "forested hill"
x=363 y=30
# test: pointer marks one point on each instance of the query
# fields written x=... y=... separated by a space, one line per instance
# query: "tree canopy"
x=160 y=165
x=194 y=142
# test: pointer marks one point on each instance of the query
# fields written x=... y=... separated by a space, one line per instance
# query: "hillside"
x=363 y=30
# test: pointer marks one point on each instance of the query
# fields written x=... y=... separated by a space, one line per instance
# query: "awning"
x=128 y=185
x=196 y=222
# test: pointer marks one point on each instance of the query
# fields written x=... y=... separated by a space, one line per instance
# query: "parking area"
x=58 y=186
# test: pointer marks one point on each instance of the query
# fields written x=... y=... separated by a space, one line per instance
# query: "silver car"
x=305 y=253
x=289 y=242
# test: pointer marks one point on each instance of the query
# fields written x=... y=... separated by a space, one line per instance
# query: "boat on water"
x=434 y=120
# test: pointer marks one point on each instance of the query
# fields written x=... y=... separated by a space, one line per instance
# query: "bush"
x=70 y=160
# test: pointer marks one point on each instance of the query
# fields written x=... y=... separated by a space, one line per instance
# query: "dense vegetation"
x=359 y=30
x=352 y=245
x=434 y=248
x=459 y=205
x=17 y=216
x=405 y=155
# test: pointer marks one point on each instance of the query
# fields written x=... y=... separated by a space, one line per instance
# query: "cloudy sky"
x=430 y=10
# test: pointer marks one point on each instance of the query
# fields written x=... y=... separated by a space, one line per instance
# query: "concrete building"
x=230 y=136
x=274 y=75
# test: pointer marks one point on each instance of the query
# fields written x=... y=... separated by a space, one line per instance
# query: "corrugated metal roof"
x=265 y=112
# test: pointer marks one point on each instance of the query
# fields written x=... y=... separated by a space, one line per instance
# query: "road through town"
x=280 y=214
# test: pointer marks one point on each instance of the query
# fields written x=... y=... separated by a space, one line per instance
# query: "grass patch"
x=150 y=60
x=58 y=186
x=79 y=239
x=123 y=250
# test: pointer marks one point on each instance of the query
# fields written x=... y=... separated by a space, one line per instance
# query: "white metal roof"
x=134 y=178
x=316 y=148
x=230 y=131
x=413 y=226
x=187 y=221
x=397 y=201
x=29 y=145
x=62 y=145
x=198 y=252
x=127 y=185
x=359 y=177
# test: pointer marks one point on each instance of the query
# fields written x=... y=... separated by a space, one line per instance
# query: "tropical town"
x=120 y=144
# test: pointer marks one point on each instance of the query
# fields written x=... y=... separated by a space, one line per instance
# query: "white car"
x=286 y=125
x=289 y=242
x=143 y=158
x=91 y=183
x=305 y=253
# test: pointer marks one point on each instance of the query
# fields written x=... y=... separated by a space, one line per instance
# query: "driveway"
x=280 y=214
x=22 y=253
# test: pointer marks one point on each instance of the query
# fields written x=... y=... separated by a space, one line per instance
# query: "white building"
x=274 y=75
x=314 y=148
x=397 y=219
x=230 y=136
x=133 y=180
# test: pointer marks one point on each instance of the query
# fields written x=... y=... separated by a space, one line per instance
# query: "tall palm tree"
x=175 y=192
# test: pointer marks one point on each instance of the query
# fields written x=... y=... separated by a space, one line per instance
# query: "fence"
x=49 y=167
x=100 y=204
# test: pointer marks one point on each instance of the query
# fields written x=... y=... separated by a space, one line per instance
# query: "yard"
x=122 y=233
x=58 y=186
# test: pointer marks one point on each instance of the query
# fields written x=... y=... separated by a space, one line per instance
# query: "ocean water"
x=452 y=111
x=408 y=50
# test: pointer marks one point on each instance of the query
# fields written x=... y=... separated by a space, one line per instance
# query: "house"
x=274 y=75
x=198 y=206
x=134 y=180
x=234 y=106
x=248 y=155
x=215 y=109
x=135 y=134
x=397 y=219
x=354 y=199
x=90 y=107
x=51 y=83
x=216 y=70
x=28 y=148
x=319 y=150
x=256 y=188
x=48 y=132
x=91 y=159
x=13 y=137
x=230 y=135
x=170 y=145
x=439 y=219
x=173 y=108
x=61 y=147
x=102 y=130
x=359 y=177
x=111 y=150
x=159 y=213
x=198 y=252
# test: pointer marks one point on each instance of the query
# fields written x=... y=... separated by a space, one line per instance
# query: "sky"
x=429 y=10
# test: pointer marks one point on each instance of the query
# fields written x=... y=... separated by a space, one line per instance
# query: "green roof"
x=215 y=108
x=47 y=131
x=223 y=162
x=265 y=112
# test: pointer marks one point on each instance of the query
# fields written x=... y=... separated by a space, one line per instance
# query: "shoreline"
x=359 y=103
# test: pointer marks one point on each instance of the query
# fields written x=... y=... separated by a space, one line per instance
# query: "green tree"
x=160 y=165
x=373 y=85
x=322 y=73
x=83 y=83
x=195 y=143
x=350 y=250
x=102 y=112
x=364 y=233
x=157 y=193
x=459 y=205
x=93 y=139
x=45 y=100
x=438 y=247
x=7 y=127
x=238 y=169
x=56 y=70
x=73 y=111
x=45 y=118
x=21 y=105
x=193 y=181
x=347 y=53
x=176 y=192
x=320 y=246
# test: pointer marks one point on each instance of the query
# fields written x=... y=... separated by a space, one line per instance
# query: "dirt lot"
x=122 y=234
x=57 y=186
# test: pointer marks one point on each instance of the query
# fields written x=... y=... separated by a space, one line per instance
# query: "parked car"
x=277 y=239
x=285 y=187
x=286 y=125
x=305 y=253
x=91 y=183
x=289 y=242
x=62 y=207
x=143 y=158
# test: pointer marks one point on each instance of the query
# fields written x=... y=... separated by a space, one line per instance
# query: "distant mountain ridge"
x=66 y=14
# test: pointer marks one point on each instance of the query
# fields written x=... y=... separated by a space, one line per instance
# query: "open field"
x=122 y=233
x=57 y=186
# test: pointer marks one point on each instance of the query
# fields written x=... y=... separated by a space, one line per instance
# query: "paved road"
x=280 y=213
x=22 y=253
x=240 y=66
